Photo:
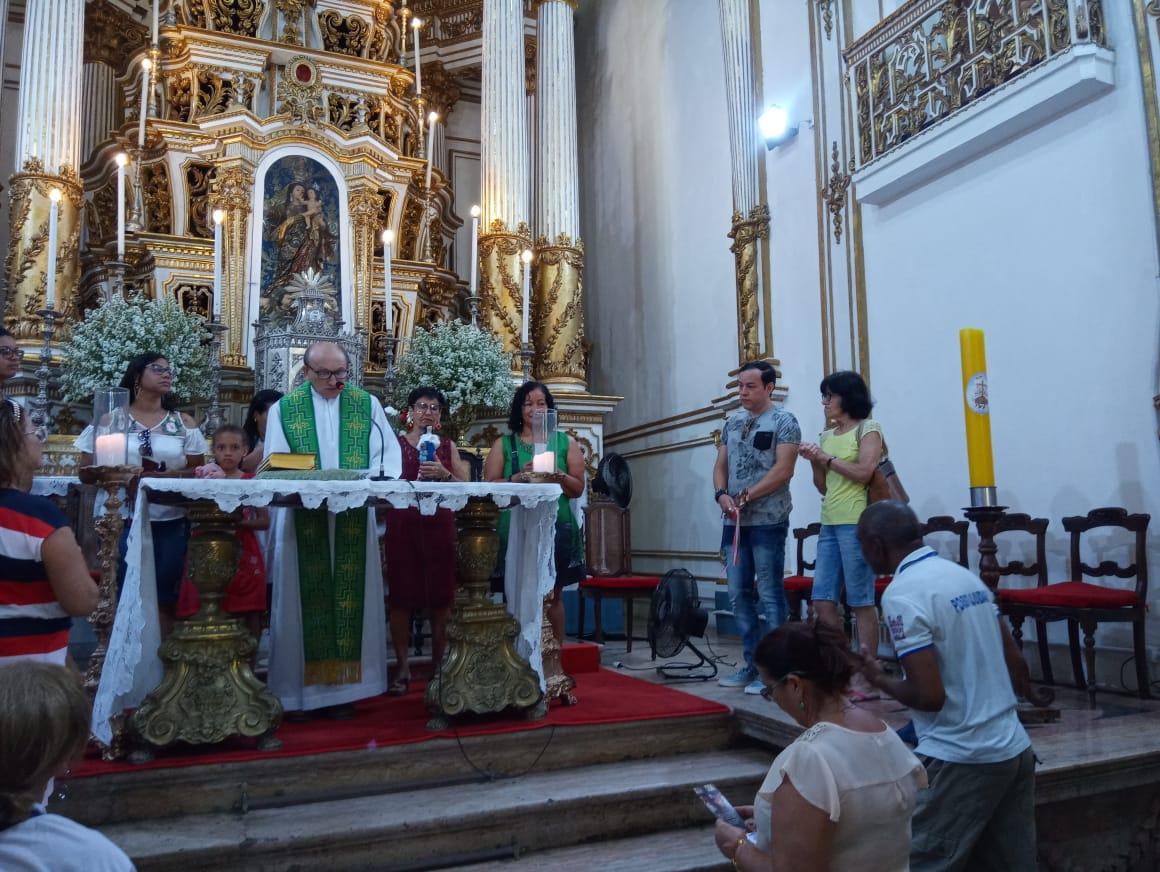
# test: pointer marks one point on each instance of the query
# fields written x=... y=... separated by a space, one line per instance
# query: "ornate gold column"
x=27 y=264
x=233 y=188
x=504 y=170
x=366 y=205
x=750 y=227
x=47 y=154
x=558 y=304
x=747 y=234
x=501 y=299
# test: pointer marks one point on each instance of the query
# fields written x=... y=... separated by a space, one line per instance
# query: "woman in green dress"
x=512 y=453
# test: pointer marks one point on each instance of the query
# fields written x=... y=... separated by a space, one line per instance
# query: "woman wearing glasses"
x=10 y=358
x=162 y=440
x=44 y=581
x=841 y=795
x=421 y=562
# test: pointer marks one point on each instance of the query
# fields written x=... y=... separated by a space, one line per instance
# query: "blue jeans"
x=760 y=559
x=840 y=563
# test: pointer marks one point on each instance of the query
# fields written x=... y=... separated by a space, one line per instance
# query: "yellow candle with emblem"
x=977 y=409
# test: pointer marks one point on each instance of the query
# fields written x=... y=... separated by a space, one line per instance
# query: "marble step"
x=687 y=850
x=279 y=781
x=453 y=825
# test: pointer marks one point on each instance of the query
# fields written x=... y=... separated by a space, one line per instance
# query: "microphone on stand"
x=382 y=476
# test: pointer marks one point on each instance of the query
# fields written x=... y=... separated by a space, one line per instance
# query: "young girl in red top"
x=246 y=595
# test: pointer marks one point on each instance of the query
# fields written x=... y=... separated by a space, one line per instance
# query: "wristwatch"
x=720 y=493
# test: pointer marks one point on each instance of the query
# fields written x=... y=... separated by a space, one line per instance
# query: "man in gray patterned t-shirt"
x=754 y=465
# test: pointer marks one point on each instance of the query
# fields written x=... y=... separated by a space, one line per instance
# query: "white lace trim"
x=129 y=674
x=52 y=485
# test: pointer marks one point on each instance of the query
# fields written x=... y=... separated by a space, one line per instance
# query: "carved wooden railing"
x=932 y=58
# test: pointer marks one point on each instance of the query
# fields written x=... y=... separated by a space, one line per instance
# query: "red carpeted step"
x=605 y=697
x=577 y=657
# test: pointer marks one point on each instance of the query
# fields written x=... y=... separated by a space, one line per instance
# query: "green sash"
x=332 y=597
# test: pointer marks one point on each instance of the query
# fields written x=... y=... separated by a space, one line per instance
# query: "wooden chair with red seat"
x=1083 y=604
x=799 y=588
x=1019 y=522
x=934 y=524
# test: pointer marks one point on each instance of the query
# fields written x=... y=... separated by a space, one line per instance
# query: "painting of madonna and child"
x=300 y=233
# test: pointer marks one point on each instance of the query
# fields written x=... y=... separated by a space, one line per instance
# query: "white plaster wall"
x=655 y=208
x=1048 y=244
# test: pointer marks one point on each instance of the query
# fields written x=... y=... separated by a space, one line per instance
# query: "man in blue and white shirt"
x=962 y=671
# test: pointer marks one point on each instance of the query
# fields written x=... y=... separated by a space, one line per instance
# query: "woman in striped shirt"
x=44 y=580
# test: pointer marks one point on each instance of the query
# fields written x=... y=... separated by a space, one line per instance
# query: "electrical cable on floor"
x=486 y=774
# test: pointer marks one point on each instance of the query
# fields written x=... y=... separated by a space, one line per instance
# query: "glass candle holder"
x=111 y=423
x=543 y=429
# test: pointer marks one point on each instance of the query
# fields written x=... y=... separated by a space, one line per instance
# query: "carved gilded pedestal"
x=499 y=281
x=113 y=480
x=27 y=263
x=558 y=325
x=559 y=683
x=481 y=672
x=746 y=235
x=209 y=692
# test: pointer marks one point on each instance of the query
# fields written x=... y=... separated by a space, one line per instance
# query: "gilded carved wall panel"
x=111 y=36
x=198 y=179
x=932 y=58
x=239 y=17
x=343 y=34
x=158 y=199
x=195 y=298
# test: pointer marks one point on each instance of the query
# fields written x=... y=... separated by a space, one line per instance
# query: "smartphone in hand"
x=718 y=805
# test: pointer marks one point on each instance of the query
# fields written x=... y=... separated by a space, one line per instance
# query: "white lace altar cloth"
x=52 y=485
x=132 y=668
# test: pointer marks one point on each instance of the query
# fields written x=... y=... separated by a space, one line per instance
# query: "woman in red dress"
x=421 y=550
x=246 y=595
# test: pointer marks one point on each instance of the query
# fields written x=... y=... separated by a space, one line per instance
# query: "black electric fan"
x=613 y=479
x=674 y=617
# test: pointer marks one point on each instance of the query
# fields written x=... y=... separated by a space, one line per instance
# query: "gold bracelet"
x=737 y=851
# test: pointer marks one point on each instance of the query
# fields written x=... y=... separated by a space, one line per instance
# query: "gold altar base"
x=558 y=682
x=481 y=672
x=27 y=263
x=209 y=692
x=558 y=325
x=499 y=283
x=113 y=480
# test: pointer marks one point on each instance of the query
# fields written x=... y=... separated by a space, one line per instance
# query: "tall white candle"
x=527 y=296
x=218 y=217
x=146 y=66
x=50 y=284
x=156 y=5
x=431 y=120
x=121 y=160
x=416 y=23
x=474 y=250
x=388 y=290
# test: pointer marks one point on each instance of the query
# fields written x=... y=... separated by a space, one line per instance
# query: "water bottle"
x=428 y=445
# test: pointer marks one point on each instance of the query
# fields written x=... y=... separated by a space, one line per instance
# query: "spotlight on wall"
x=775 y=127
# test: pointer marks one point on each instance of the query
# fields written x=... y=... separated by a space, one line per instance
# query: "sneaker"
x=740 y=678
x=754 y=688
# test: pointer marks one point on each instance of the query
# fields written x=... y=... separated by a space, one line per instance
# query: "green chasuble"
x=332 y=596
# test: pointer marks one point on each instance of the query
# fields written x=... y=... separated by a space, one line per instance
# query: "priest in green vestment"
x=327 y=622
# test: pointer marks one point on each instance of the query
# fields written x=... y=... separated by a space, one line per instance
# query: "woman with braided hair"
x=841 y=795
x=44 y=726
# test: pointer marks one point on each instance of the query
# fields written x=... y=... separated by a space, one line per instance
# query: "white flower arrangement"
x=467 y=364
x=116 y=331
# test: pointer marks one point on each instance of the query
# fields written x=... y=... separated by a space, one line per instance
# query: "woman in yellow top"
x=843 y=464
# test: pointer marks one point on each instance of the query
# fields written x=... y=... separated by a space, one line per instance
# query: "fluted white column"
x=49 y=117
x=557 y=170
x=741 y=90
x=750 y=225
x=504 y=157
x=99 y=106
